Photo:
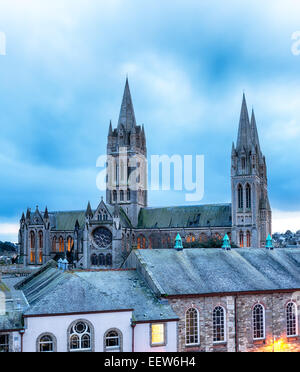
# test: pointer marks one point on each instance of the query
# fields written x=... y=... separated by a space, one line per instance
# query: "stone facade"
x=103 y=237
x=239 y=323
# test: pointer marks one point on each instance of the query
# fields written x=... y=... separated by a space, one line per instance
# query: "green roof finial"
x=226 y=243
x=269 y=243
x=178 y=243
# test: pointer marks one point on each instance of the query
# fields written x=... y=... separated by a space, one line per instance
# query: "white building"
x=97 y=311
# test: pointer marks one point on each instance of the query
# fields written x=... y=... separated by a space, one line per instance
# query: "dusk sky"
x=188 y=63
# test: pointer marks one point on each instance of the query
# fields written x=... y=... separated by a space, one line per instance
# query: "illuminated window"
x=141 y=242
x=157 y=334
x=258 y=314
x=241 y=239
x=80 y=337
x=248 y=196
x=248 y=239
x=32 y=247
x=240 y=197
x=70 y=244
x=113 y=340
x=4 y=343
x=46 y=344
x=291 y=319
x=61 y=244
x=40 y=247
x=219 y=324
x=190 y=238
x=192 y=327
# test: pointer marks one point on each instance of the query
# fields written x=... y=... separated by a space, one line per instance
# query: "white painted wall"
x=58 y=326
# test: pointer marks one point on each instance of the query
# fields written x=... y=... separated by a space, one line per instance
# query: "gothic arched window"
x=70 y=243
x=40 y=247
x=94 y=260
x=61 y=244
x=240 y=197
x=80 y=336
x=248 y=239
x=54 y=244
x=108 y=259
x=141 y=242
x=219 y=324
x=258 y=316
x=121 y=195
x=291 y=319
x=32 y=247
x=101 y=259
x=241 y=239
x=248 y=196
x=192 y=327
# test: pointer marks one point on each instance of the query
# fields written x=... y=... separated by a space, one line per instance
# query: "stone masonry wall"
x=275 y=320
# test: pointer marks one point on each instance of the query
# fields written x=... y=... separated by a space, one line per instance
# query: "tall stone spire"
x=127 y=117
x=254 y=133
x=244 y=140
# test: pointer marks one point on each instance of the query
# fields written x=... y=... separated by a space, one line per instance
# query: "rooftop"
x=210 y=271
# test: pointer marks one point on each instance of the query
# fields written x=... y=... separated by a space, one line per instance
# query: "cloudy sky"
x=188 y=62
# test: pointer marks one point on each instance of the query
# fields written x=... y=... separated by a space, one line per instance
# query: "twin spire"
x=247 y=135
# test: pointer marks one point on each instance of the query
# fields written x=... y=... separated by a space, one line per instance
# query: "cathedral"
x=103 y=237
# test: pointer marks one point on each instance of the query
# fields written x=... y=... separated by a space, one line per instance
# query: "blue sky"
x=188 y=62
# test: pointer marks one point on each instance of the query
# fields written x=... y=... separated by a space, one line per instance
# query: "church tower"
x=127 y=162
x=251 y=211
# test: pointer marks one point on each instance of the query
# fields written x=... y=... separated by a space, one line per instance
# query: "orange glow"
x=280 y=346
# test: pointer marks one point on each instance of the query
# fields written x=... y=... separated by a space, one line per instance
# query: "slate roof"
x=208 y=271
x=212 y=215
x=51 y=291
x=65 y=221
x=15 y=303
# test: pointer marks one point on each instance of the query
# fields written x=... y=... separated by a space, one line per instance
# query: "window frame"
x=263 y=322
x=108 y=349
x=164 y=343
x=198 y=327
x=91 y=334
x=54 y=343
x=287 y=320
x=224 y=325
x=7 y=344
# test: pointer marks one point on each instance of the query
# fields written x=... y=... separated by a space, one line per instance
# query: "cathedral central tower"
x=127 y=162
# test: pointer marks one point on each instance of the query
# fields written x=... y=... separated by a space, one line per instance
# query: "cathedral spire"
x=244 y=135
x=89 y=212
x=127 y=117
x=254 y=132
x=110 y=131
